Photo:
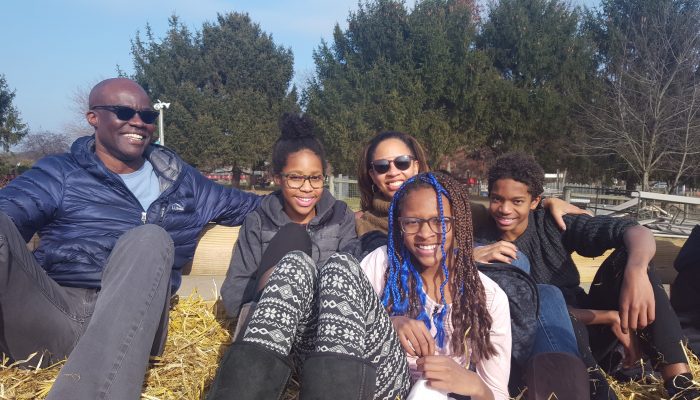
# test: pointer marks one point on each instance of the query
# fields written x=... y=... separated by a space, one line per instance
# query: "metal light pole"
x=160 y=106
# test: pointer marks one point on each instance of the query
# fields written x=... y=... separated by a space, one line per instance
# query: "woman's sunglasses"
x=401 y=163
x=125 y=113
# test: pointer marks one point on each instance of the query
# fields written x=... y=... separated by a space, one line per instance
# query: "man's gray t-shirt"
x=143 y=184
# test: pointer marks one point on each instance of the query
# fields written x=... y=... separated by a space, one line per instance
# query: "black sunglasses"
x=125 y=113
x=401 y=162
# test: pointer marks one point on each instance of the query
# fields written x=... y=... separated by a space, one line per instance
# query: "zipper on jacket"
x=162 y=212
x=143 y=217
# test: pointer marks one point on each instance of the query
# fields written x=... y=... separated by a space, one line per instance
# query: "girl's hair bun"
x=296 y=126
x=296 y=133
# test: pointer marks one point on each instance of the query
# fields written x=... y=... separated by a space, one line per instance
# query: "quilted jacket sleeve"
x=31 y=199
x=225 y=206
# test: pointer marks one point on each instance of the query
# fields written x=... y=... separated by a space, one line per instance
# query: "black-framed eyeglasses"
x=296 y=181
x=125 y=113
x=412 y=225
x=401 y=162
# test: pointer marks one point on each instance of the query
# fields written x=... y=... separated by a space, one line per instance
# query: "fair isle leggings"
x=329 y=309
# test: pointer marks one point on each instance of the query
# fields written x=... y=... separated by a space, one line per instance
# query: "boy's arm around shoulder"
x=32 y=198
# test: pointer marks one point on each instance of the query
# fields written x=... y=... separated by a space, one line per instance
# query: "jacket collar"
x=166 y=164
x=272 y=207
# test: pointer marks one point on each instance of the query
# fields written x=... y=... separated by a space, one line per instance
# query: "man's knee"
x=4 y=218
x=149 y=235
x=144 y=245
x=6 y=223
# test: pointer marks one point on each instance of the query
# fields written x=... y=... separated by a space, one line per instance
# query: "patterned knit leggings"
x=329 y=309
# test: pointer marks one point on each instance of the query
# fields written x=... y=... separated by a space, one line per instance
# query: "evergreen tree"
x=228 y=84
x=12 y=129
x=545 y=63
x=394 y=69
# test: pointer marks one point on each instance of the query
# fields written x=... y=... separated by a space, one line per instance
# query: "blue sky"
x=51 y=49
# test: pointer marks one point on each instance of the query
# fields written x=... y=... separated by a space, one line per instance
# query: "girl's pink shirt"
x=495 y=370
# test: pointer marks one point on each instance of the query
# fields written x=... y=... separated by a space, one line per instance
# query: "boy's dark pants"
x=662 y=338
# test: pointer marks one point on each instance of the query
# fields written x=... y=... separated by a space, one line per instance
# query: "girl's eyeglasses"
x=296 y=181
x=401 y=163
x=125 y=113
x=413 y=225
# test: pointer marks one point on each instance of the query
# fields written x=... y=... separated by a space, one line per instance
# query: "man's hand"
x=558 y=208
x=414 y=336
x=443 y=373
x=502 y=251
x=637 y=305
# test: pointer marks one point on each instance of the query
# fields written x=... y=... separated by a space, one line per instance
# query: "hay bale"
x=652 y=388
x=196 y=341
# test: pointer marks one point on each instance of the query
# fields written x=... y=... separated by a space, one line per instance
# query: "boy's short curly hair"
x=519 y=167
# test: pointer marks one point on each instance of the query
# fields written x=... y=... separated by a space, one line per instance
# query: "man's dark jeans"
x=107 y=334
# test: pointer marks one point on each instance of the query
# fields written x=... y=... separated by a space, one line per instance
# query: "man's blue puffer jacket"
x=80 y=209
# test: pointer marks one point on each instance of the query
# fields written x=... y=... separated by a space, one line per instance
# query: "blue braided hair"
x=397 y=290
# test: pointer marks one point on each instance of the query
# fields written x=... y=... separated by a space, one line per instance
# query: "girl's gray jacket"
x=331 y=230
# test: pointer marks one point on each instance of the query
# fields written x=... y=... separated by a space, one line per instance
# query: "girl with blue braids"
x=452 y=321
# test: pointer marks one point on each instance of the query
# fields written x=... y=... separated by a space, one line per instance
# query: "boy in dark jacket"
x=118 y=217
x=626 y=302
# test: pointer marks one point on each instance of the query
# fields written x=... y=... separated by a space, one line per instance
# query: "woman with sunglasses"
x=388 y=160
x=301 y=215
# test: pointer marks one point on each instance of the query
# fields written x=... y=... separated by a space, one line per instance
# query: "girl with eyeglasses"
x=338 y=320
x=301 y=215
x=311 y=312
x=428 y=281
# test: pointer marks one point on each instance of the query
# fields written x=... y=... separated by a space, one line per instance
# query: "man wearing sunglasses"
x=118 y=217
